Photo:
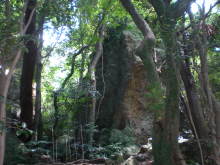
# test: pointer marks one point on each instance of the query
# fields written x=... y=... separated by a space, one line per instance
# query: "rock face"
x=121 y=77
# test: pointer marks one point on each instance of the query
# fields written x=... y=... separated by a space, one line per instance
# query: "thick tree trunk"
x=172 y=112
x=168 y=16
x=166 y=124
x=26 y=100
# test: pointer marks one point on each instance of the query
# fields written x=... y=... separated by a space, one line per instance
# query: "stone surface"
x=143 y=157
x=125 y=84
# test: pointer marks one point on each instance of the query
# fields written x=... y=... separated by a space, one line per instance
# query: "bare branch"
x=54 y=45
x=211 y=7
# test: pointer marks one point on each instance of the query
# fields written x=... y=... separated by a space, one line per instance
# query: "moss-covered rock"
x=121 y=75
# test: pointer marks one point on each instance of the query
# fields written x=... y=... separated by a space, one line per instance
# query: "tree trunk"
x=4 y=86
x=211 y=105
x=26 y=100
x=5 y=80
x=3 y=94
x=38 y=125
x=168 y=16
x=166 y=123
x=91 y=72
x=172 y=112
x=38 y=116
x=56 y=113
x=194 y=101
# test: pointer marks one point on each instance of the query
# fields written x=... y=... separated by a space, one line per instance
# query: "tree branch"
x=19 y=51
x=211 y=7
x=28 y=22
x=180 y=7
x=73 y=65
x=98 y=50
x=159 y=6
x=139 y=21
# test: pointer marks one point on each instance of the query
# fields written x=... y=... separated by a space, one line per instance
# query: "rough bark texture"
x=168 y=14
x=29 y=59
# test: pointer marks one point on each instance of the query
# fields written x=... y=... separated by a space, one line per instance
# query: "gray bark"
x=194 y=101
x=91 y=72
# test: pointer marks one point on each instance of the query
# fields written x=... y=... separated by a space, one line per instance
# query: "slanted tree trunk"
x=4 y=85
x=29 y=59
x=5 y=80
x=193 y=99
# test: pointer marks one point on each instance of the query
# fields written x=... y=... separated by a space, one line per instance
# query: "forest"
x=111 y=82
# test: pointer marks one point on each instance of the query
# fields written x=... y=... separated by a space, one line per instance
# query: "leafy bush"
x=124 y=137
x=116 y=147
x=16 y=152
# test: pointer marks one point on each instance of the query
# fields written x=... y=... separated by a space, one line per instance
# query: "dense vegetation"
x=72 y=71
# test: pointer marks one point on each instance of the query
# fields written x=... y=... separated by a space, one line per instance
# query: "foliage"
x=17 y=153
x=124 y=137
x=115 y=147
x=66 y=128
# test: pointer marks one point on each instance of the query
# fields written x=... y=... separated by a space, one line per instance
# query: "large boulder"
x=121 y=78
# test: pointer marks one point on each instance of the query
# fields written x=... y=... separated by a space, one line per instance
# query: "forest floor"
x=143 y=157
